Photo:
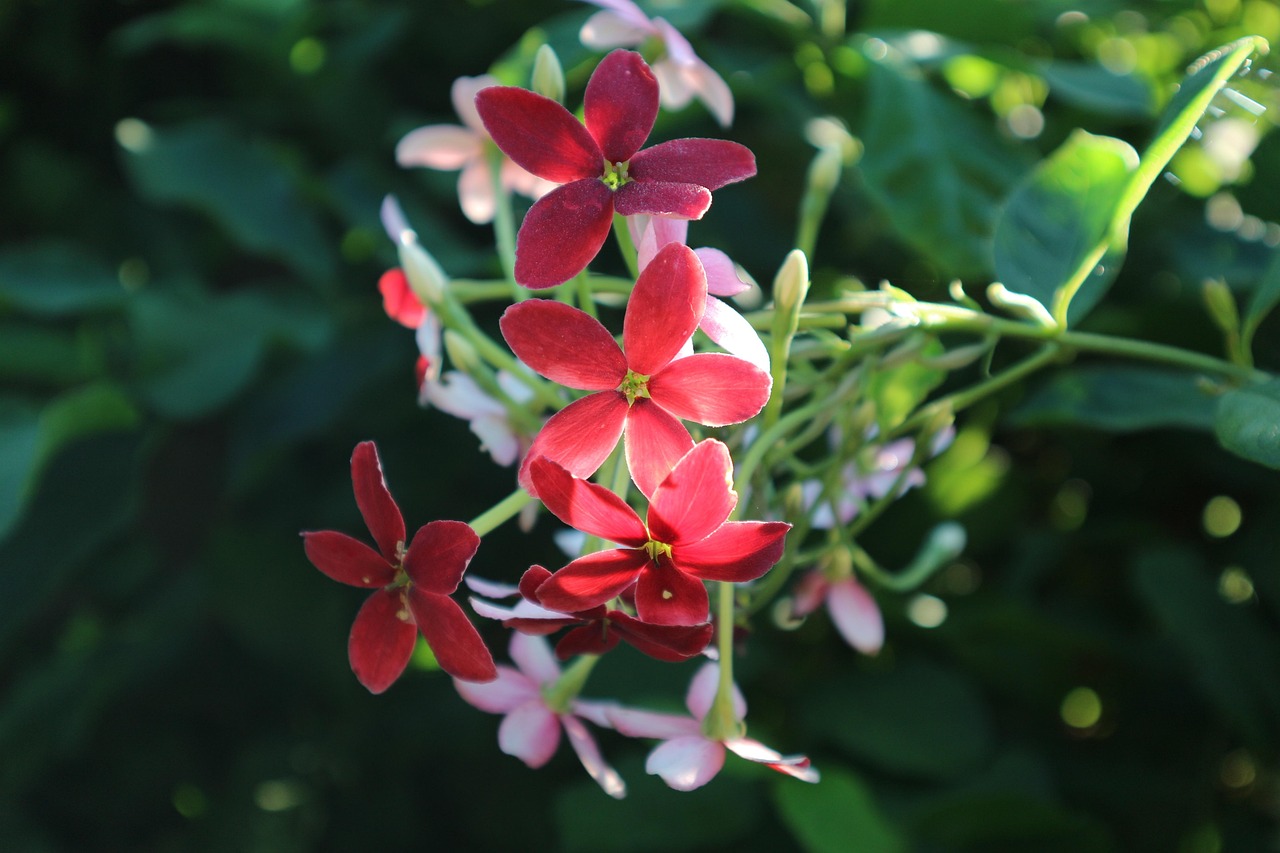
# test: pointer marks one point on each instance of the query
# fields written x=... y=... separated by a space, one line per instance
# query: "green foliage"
x=1247 y=423
x=836 y=814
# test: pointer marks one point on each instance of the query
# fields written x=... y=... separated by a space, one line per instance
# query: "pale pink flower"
x=688 y=759
x=681 y=75
x=466 y=147
x=530 y=729
x=853 y=610
x=459 y=395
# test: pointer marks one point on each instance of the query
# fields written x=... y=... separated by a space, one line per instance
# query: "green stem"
x=626 y=245
x=721 y=723
x=504 y=227
x=560 y=695
x=501 y=512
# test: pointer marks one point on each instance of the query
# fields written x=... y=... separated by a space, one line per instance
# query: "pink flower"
x=685 y=539
x=600 y=165
x=681 y=74
x=530 y=728
x=851 y=607
x=412 y=585
x=459 y=395
x=640 y=391
x=688 y=759
x=449 y=147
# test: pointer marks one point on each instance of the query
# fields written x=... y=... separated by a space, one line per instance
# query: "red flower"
x=413 y=585
x=640 y=393
x=685 y=539
x=600 y=165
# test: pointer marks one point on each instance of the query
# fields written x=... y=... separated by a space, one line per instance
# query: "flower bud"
x=425 y=276
x=548 y=76
x=790 y=287
x=461 y=353
x=1020 y=305
x=1222 y=305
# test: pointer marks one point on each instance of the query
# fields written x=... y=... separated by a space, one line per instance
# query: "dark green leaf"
x=1264 y=299
x=1118 y=399
x=836 y=815
x=55 y=280
x=1095 y=88
x=1248 y=423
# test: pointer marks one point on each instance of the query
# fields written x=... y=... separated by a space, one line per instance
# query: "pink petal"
x=398 y=299
x=347 y=560
x=563 y=232
x=695 y=498
x=710 y=163
x=856 y=615
x=564 y=344
x=685 y=200
x=664 y=308
x=732 y=332
x=620 y=104
x=607 y=30
x=711 y=388
x=722 y=275
x=592 y=580
x=463 y=96
x=534 y=657
x=797 y=766
x=667 y=596
x=439 y=146
x=672 y=643
x=654 y=442
x=686 y=763
x=579 y=437
x=375 y=502
x=702 y=693
x=634 y=723
x=589 y=754
x=504 y=694
x=651 y=233
x=809 y=593
x=586 y=506
x=539 y=134
x=531 y=733
x=475 y=192
x=739 y=551
x=454 y=640
x=439 y=555
x=381 y=640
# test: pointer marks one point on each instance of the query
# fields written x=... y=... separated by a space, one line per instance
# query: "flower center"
x=657 y=550
x=634 y=387
x=615 y=174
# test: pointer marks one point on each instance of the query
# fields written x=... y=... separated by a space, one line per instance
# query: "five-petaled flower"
x=530 y=728
x=641 y=390
x=853 y=610
x=685 y=539
x=412 y=585
x=600 y=165
x=688 y=758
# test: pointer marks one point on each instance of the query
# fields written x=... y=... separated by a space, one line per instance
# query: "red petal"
x=586 y=506
x=562 y=233
x=453 y=639
x=439 y=555
x=696 y=497
x=662 y=198
x=381 y=640
x=709 y=163
x=376 y=504
x=539 y=134
x=347 y=560
x=672 y=643
x=592 y=580
x=533 y=577
x=711 y=388
x=664 y=308
x=398 y=299
x=621 y=104
x=738 y=551
x=568 y=346
x=667 y=596
x=654 y=442
x=592 y=639
x=580 y=436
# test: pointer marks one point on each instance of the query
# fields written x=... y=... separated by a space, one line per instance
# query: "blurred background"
x=191 y=343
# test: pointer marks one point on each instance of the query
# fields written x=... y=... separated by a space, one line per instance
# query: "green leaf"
x=836 y=815
x=1265 y=298
x=56 y=280
x=1049 y=239
x=1095 y=88
x=1118 y=399
x=936 y=168
x=898 y=391
x=1247 y=423
x=53 y=356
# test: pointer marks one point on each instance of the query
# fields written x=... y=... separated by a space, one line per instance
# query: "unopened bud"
x=824 y=171
x=548 y=76
x=461 y=353
x=425 y=276
x=1222 y=305
x=790 y=287
x=1021 y=305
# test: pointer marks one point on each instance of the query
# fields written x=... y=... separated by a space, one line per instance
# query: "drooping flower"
x=451 y=147
x=461 y=396
x=681 y=74
x=530 y=728
x=687 y=758
x=600 y=165
x=685 y=539
x=853 y=610
x=412 y=585
x=640 y=391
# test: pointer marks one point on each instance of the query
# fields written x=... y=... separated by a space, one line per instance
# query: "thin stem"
x=721 y=723
x=504 y=228
x=560 y=695
x=501 y=512
x=626 y=245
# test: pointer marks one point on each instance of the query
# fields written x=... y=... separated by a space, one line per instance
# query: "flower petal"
x=732 y=332
x=797 y=766
x=439 y=555
x=856 y=615
x=504 y=694
x=439 y=146
x=534 y=657
x=620 y=104
x=654 y=442
x=664 y=309
x=667 y=596
x=531 y=733
x=378 y=508
x=592 y=580
x=579 y=437
x=589 y=754
x=710 y=163
x=586 y=506
x=381 y=640
x=739 y=551
x=347 y=560
x=672 y=643
x=711 y=388
x=722 y=274
x=590 y=639
x=563 y=232
x=702 y=693
x=454 y=640
x=463 y=96
x=622 y=24
x=695 y=498
x=686 y=763
x=475 y=192
x=564 y=344
x=539 y=134
x=398 y=299
x=679 y=199
x=635 y=723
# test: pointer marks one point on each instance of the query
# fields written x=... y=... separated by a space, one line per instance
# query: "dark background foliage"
x=191 y=343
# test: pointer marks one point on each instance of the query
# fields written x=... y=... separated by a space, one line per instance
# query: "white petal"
x=856 y=615
x=508 y=691
x=497 y=437
x=686 y=763
x=533 y=656
x=438 y=146
x=622 y=27
x=792 y=765
x=475 y=192
x=463 y=94
x=674 y=89
x=594 y=711
x=589 y=754
x=492 y=589
x=459 y=395
x=731 y=330
x=702 y=692
x=530 y=732
x=634 y=723
x=394 y=222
